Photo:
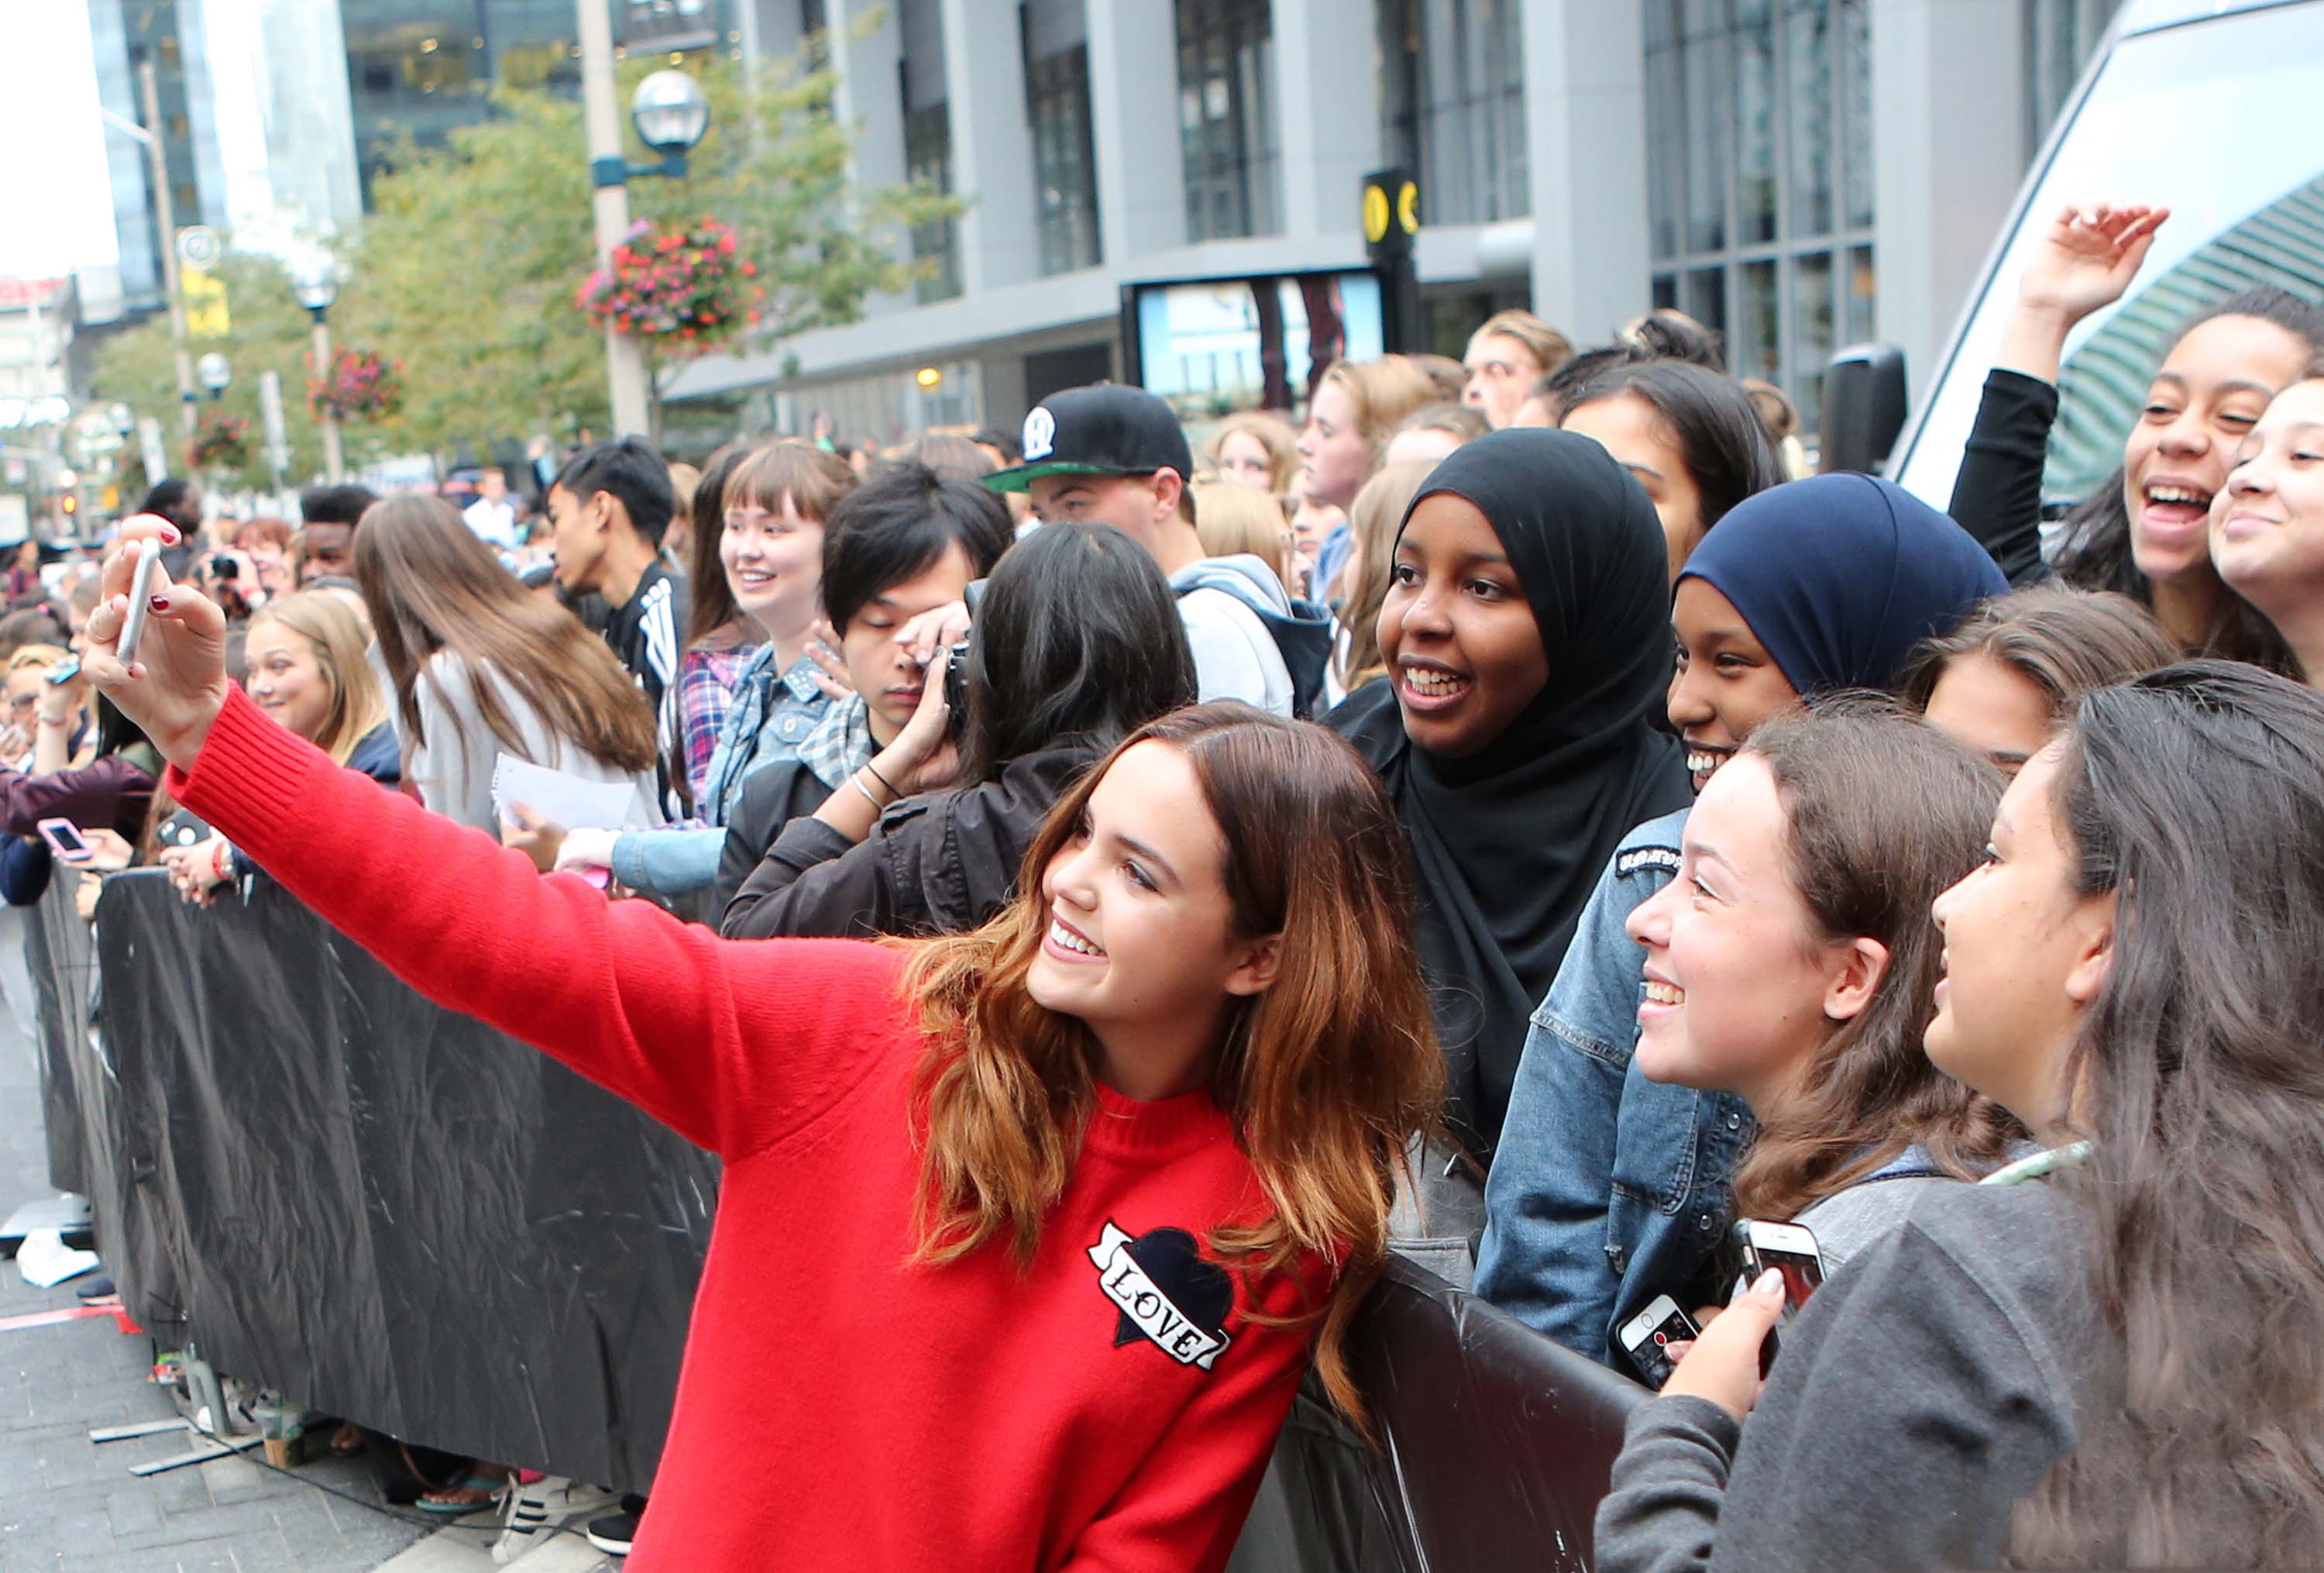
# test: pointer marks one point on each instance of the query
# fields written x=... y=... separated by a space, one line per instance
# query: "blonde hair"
x=1383 y=393
x=1549 y=349
x=1231 y=518
x=337 y=635
x=41 y=655
x=1271 y=432
x=1374 y=519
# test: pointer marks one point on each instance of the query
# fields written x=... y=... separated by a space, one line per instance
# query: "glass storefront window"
x=1812 y=325
x=1756 y=349
x=1863 y=293
x=1809 y=64
x=1755 y=120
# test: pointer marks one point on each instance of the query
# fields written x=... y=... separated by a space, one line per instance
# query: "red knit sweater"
x=1111 y=1409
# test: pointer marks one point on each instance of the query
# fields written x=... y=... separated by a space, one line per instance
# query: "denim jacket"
x=1607 y=1189
x=773 y=719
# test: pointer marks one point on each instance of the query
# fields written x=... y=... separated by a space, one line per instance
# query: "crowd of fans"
x=1517 y=819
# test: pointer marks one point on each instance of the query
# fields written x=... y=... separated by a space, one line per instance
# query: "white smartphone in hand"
x=1647 y=1337
x=143 y=584
x=1788 y=1248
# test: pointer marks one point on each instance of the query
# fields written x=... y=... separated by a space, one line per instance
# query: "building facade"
x=1801 y=174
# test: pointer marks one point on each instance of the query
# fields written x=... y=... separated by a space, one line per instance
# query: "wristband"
x=856 y=781
x=59 y=721
x=883 y=781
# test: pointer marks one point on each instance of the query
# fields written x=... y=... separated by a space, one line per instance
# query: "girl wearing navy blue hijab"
x=1609 y=1189
x=1841 y=575
x=1526 y=635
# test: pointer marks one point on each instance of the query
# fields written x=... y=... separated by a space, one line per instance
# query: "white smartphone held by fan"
x=144 y=583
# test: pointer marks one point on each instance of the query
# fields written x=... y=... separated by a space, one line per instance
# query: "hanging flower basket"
x=220 y=442
x=359 y=386
x=686 y=289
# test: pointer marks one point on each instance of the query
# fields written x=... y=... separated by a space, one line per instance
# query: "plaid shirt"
x=841 y=744
x=705 y=692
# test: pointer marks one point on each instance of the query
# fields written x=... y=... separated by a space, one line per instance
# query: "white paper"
x=572 y=801
x=46 y=1261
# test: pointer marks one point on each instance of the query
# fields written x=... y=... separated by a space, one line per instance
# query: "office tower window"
x=1759 y=179
x=2059 y=37
x=928 y=142
x=1452 y=105
x=1064 y=160
x=1227 y=119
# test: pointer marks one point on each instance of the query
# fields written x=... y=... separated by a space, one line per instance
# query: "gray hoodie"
x=1235 y=656
x=1920 y=1395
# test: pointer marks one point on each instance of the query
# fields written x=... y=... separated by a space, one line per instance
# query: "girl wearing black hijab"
x=1526 y=635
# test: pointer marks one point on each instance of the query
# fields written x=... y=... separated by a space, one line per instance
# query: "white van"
x=2212 y=107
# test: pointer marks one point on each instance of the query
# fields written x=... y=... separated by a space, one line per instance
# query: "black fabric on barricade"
x=53 y=953
x=332 y=1187
x=111 y=1156
x=1495 y=1444
x=385 y=1210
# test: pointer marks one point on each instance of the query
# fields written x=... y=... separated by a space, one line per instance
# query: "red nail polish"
x=161 y=603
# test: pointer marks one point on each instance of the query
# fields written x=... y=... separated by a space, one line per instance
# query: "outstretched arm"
x=660 y=1012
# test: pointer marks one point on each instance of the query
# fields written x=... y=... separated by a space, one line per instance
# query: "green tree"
x=469 y=267
x=269 y=332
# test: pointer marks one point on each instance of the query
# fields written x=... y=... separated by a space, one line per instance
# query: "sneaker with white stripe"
x=532 y=1513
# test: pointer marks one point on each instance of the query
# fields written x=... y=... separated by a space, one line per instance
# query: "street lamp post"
x=671 y=115
x=158 y=175
x=316 y=287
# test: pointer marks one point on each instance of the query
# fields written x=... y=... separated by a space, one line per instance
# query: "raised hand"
x=922 y=758
x=177 y=684
x=2087 y=257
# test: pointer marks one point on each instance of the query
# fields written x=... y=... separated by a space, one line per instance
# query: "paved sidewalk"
x=67 y=1505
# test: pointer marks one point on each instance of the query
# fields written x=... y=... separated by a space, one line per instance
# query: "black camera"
x=957 y=693
x=223 y=567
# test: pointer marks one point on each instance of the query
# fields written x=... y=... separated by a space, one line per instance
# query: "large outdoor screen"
x=1212 y=347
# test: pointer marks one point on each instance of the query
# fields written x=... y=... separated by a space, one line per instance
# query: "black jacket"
x=773 y=796
x=1997 y=493
x=941 y=863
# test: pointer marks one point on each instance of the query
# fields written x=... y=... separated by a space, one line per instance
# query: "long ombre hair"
x=430 y=585
x=1883 y=813
x=2195 y=795
x=1324 y=1075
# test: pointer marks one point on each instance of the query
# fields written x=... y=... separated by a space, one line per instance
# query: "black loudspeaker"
x=1863 y=409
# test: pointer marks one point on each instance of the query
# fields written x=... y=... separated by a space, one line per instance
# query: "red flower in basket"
x=219 y=439
x=357 y=385
x=682 y=286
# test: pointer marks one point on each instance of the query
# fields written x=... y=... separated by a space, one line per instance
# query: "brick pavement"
x=68 y=1506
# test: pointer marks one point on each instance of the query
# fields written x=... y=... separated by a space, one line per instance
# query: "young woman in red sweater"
x=1026 y=1234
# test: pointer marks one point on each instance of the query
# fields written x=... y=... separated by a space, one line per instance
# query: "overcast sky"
x=56 y=198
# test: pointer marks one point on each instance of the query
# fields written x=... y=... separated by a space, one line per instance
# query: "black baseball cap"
x=1107 y=429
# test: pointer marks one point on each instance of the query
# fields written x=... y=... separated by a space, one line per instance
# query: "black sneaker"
x=613 y=1534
